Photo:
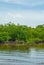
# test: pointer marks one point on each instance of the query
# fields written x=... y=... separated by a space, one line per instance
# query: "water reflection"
x=28 y=57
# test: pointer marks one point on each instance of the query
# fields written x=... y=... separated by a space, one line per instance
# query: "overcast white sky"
x=25 y=12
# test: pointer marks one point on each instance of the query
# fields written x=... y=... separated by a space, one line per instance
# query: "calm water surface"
x=30 y=57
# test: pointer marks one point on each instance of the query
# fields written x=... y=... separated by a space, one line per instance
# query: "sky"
x=23 y=12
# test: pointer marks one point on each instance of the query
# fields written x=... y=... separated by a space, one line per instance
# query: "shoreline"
x=20 y=46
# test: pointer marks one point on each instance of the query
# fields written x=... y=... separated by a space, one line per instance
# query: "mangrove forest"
x=10 y=32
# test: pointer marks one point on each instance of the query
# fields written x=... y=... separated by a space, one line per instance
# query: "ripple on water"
x=33 y=57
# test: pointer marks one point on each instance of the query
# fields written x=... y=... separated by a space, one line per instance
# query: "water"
x=30 y=57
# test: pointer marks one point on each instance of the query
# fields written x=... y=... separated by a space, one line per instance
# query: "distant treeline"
x=12 y=32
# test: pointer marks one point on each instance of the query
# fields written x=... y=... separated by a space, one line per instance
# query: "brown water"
x=28 y=57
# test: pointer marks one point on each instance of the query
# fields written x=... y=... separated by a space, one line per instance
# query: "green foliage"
x=4 y=36
x=12 y=32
